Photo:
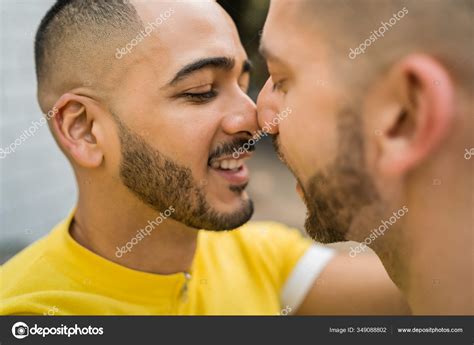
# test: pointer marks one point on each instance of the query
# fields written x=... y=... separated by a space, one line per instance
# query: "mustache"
x=281 y=155
x=277 y=148
x=226 y=149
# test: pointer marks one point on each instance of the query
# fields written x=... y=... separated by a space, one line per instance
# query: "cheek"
x=184 y=144
x=308 y=136
x=185 y=134
x=190 y=147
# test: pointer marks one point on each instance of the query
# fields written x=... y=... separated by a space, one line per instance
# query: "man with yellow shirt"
x=150 y=103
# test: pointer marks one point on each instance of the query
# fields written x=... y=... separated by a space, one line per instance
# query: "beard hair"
x=160 y=182
x=335 y=195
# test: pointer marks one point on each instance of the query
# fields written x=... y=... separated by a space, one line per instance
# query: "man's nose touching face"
x=269 y=109
x=228 y=174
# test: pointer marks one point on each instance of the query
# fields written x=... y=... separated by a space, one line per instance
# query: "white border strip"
x=304 y=274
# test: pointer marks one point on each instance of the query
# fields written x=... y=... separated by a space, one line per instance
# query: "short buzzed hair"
x=440 y=28
x=74 y=38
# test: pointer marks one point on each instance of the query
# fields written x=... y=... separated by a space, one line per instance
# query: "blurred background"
x=37 y=186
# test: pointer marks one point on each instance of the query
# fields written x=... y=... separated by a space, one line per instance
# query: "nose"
x=267 y=107
x=243 y=118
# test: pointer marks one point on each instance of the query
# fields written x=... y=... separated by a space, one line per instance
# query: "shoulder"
x=23 y=265
x=272 y=237
x=263 y=246
x=29 y=273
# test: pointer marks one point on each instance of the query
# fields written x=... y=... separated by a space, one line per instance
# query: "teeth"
x=225 y=164
x=228 y=164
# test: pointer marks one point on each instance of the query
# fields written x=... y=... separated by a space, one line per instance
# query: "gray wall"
x=37 y=187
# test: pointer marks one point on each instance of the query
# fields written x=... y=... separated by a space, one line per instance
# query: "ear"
x=412 y=114
x=77 y=129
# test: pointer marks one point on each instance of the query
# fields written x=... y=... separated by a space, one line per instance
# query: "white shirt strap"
x=300 y=281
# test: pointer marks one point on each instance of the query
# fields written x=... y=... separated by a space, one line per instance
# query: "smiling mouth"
x=234 y=171
x=228 y=164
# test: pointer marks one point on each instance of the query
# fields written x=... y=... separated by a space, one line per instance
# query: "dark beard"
x=335 y=196
x=160 y=183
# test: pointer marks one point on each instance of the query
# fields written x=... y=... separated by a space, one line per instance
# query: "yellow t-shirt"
x=240 y=272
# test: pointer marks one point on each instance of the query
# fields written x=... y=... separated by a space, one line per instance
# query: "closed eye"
x=278 y=86
x=201 y=97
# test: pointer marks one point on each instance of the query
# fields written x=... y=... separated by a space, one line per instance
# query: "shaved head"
x=75 y=44
x=440 y=28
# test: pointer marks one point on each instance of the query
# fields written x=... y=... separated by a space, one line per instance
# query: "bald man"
x=381 y=94
x=149 y=105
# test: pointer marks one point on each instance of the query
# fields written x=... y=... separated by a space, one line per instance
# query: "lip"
x=245 y=156
x=236 y=178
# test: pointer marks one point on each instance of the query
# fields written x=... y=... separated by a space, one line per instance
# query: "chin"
x=231 y=205
x=228 y=200
x=232 y=215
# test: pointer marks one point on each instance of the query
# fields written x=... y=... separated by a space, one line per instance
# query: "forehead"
x=286 y=36
x=193 y=30
x=280 y=22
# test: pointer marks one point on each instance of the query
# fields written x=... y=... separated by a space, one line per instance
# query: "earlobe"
x=75 y=132
x=424 y=94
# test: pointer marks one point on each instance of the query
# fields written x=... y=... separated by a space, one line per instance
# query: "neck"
x=429 y=257
x=133 y=235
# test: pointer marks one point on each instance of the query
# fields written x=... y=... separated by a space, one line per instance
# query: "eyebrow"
x=267 y=54
x=222 y=62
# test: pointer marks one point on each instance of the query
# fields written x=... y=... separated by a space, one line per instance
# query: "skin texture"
x=138 y=145
x=170 y=129
x=354 y=286
x=159 y=181
x=361 y=154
